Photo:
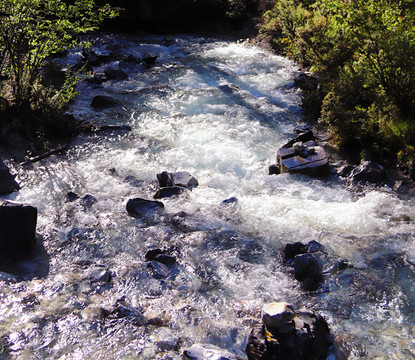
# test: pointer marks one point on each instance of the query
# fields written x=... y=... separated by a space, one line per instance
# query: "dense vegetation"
x=364 y=53
x=32 y=32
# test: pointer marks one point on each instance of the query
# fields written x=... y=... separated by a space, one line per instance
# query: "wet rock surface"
x=207 y=351
x=288 y=333
x=139 y=207
x=17 y=228
x=302 y=155
x=7 y=182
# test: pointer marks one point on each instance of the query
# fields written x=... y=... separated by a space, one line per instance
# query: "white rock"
x=277 y=314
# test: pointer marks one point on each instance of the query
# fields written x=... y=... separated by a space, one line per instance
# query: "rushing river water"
x=219 y=110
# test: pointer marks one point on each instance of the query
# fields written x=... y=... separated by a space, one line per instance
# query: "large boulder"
x=7 y=182
x=17 y=228
x=302 y=155
x=368 y=172
x=289 y=334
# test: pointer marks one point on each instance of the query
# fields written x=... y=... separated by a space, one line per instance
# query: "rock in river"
x=141 y=207
x=289 y=334
x=302 y=155
x=7 y=182
x=17 y=228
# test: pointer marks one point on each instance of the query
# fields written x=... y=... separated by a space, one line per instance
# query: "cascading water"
x=219 y=110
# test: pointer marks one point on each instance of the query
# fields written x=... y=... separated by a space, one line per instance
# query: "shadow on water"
x=33 y=265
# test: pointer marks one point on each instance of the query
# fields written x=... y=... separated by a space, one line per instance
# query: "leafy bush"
x=33 y=31
x=364 y=52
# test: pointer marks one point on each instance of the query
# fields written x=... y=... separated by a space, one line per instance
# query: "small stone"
x=165 y=179
x=207 y=352
x=88 y=200
x=103 y=101
x=98 y=274
x=152 y=253
x=71 y=196
x=133 y=181
x=291 y=250
x=401 y=218
x=231 y=201
x=274 y=169
x=185 y=179
x=158 y=269
x=313 y=246
x=277 y=314
x=141 y=207
x=115 y=74
x=168 y=192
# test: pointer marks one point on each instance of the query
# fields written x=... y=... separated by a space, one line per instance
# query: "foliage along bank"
x=364 y=53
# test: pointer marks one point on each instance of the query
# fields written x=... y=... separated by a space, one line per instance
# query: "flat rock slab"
x=312 y=161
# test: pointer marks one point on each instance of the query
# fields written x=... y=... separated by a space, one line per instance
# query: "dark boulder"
x=152 y=253
x=291 y=250
x=71 y=196
x=368 y=172
x=103 y=101
x=274 y=169
x=17 y=228
x=289 y=334
x=150 y=60
x=7 y=182
x=307 y=270
x=168 y=192
x=115 y=74
x=180 y=178
x=141 y=207
x=185 y=179
x=165 y=179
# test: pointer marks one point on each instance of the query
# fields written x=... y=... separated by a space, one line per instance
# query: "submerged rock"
x=141 y=207
x=115 y=74
x=7 y=182
x=289 y=334
x=207 y=351
x=17 y=228
x=103 y=101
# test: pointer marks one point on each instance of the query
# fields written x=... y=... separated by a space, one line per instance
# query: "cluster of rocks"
x=301 y=155
x=171 y=184
x=310 y=263
x=288 y=333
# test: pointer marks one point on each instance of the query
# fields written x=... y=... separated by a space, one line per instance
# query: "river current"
x=218 y=109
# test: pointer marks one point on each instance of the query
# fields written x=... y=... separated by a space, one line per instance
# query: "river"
x=218 y=109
